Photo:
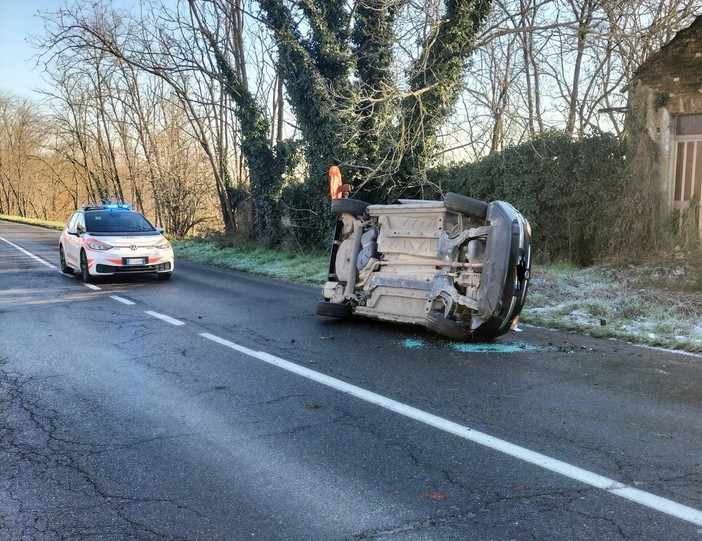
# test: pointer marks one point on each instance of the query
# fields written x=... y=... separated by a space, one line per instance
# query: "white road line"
x=647 y=499
x=165 y=318
x=92 y=286
x=25 y=252
x=122 y=300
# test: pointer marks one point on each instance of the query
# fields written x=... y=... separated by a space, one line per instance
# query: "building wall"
x=667 y=85
x=676 y=67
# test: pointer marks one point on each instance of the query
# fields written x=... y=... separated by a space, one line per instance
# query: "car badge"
x=133 y=247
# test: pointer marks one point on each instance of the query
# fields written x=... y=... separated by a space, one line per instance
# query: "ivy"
x=342 y=86
x=570 y=191
x=660 y=99
x=265 y=165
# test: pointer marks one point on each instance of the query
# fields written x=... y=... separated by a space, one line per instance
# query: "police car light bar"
x=105 y=205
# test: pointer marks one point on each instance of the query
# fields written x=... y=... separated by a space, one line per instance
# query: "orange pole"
x=335 y=182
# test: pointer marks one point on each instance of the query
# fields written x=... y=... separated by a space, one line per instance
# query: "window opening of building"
x=688 y=159
x=687 y=177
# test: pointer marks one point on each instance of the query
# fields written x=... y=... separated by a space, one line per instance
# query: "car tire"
x=62 y=261
x=473 y=208
x=487 y=332
x=84 y=271
x=334 y=309
x=448 y=328
x=164 y=275
x=348 y=206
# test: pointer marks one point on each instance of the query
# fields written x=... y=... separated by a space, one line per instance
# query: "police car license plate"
x=135 y=261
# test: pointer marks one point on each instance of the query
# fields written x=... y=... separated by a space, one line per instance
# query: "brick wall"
x=677 y=67
x=673 y=73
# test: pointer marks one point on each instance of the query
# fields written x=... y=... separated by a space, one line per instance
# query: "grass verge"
x=305 y=268
x=625 y=303
x=33 y=221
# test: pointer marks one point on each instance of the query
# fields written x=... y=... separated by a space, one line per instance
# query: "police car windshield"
x=116 y=221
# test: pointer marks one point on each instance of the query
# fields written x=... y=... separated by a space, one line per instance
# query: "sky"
x=19 y=20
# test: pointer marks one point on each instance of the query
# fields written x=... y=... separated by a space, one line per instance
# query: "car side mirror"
x=159 y=230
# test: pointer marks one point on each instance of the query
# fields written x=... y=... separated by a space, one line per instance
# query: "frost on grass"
x=298 y=267
x=627 y=303
x=657 y=305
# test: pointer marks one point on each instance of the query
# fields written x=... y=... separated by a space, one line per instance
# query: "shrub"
x=568 y=190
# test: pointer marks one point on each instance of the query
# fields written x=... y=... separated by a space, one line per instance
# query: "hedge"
x=568 y=189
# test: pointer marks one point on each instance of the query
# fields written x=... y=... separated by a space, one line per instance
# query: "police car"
x=112 y=238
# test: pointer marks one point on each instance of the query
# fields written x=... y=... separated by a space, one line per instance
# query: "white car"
x=459 y=267
x=108 y=239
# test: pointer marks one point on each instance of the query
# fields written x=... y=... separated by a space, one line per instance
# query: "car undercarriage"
x=459 y=267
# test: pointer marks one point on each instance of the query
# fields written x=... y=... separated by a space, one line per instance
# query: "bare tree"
x=21 y=179
x=159 y=44
x=566 y=70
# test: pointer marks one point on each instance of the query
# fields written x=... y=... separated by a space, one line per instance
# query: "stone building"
x=665 y=108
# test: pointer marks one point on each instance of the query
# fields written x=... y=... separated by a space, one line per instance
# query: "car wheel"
x=473 y=208
x=334 y=309
x=487 y=332
x=164 y=275
x=62 y=260
x=348 y=206
x=84 y=271
x=449 y=328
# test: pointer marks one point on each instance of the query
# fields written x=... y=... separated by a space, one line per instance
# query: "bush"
x=308 y=220
x=567 y=189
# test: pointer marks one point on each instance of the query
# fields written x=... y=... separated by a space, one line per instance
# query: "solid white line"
x=647 y=499
x=122 y=300
x=44 y=262
x=165 y=318
x=37 y=258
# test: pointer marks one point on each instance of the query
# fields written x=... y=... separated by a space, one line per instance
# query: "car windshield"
x=106 y=221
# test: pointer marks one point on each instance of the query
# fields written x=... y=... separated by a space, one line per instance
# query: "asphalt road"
x=218 y=406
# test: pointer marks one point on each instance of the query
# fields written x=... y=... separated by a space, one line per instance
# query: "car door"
x=72 y=240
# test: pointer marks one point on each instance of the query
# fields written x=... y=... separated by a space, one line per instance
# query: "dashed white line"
x=43 y=261
x=647 y=499
x=163 y=317
x=122 y=300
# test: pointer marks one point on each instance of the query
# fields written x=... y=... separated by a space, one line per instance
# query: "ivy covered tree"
x=369 y=82
x=266 y=163
x=435 y=81
x=364 y=95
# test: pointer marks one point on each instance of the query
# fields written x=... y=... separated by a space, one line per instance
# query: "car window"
x=105 y=221
x=80 y=222
x=71 y=225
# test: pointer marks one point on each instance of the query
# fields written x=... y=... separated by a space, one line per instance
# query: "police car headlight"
x=95 y=244
x=162 y=245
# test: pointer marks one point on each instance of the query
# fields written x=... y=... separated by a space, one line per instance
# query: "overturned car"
x=459 y=267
